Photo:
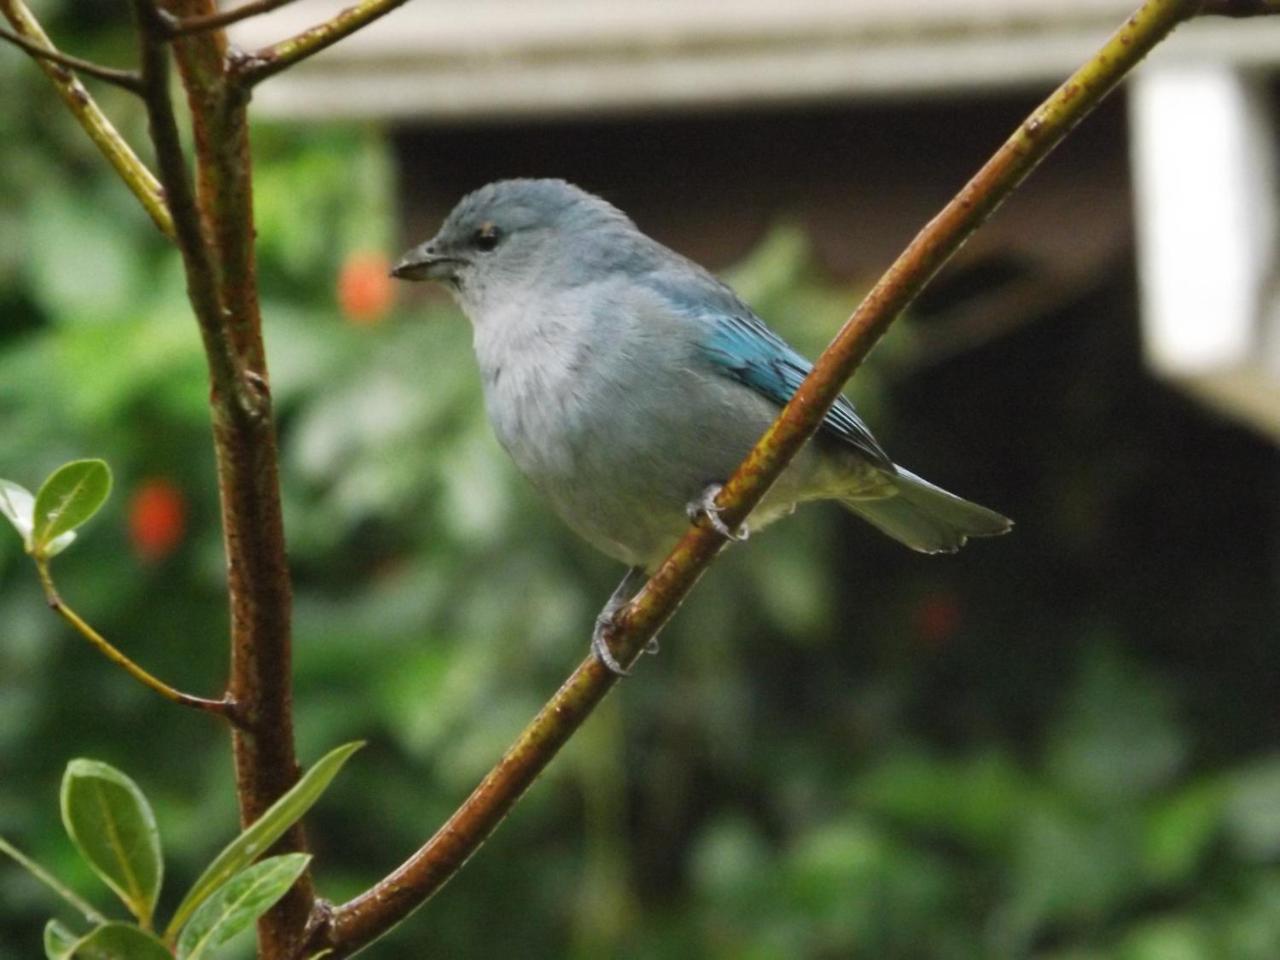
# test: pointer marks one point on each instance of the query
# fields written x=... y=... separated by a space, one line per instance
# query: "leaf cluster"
x=113 y=827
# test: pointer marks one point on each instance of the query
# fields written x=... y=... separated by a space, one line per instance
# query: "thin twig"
x=1239 y=8
x=223 y=708
x=126 y=79
x=202 y=287
x=186 y=26
x=53 y=883
x=365 y=918
x=140 y=181
x=255 y=67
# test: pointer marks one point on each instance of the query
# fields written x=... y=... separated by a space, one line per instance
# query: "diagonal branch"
x=357 y=923
x=260 y=64
x=185 y=26
x=126 y=79
x=72 y=898
x=140 y=181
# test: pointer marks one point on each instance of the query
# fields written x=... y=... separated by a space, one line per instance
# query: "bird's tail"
x=925 y=517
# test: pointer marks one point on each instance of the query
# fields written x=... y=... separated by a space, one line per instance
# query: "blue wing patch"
x=748 y=351
x=739 y=345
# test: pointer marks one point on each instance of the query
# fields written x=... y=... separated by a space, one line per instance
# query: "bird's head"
x=503 y=234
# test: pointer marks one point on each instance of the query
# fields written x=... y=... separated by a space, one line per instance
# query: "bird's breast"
x=531 y=395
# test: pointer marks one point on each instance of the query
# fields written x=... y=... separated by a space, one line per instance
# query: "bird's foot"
x=623 y=595
x=705 y=506
x=600 y=647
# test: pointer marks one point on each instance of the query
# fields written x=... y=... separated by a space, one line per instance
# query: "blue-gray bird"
x=627 y=383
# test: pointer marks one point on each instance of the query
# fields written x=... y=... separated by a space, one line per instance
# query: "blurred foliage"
x=1058 y=745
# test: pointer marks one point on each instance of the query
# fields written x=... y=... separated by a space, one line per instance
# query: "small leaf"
x=240 y=901
x=120 y=941
x=19 y=506
x=59 y=942
x=111 y=822
x=264 y=831
x=72 y=494
x=58 y=544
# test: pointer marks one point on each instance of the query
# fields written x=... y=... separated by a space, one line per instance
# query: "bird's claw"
x=601 y=648
x=705 y=506
x=623 y=595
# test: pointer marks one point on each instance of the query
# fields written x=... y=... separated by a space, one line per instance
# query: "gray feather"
x=925 y=517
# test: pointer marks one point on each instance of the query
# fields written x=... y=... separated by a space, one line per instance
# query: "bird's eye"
x=487 y=237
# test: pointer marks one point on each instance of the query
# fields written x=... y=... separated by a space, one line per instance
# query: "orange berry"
x=365 y=292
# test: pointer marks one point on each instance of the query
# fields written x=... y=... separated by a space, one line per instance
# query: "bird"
x=627 y=382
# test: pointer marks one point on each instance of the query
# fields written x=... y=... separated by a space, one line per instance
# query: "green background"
x=1060 y=744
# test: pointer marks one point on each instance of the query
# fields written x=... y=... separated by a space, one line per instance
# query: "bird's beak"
x=424 y=262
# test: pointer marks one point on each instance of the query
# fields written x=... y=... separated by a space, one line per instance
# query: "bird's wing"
x=742 y=347
x=737 y=344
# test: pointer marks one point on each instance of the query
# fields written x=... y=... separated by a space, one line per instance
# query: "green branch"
x=223 y=708
x=140 y=181
x=255 y=67
x=53 y=883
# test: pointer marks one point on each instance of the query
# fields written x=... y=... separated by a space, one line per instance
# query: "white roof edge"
x=493 y=59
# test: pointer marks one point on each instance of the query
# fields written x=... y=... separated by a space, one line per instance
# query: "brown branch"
x=1239 y=8
x=255 y=67
x=126 y=79
x=140 y=181
x=362 y=920
x=245 y=445
x=216 y=21
x=223 y=708
x=201 y=272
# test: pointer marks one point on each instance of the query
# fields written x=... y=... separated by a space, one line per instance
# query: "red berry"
x=936 y=618
x=157 y=518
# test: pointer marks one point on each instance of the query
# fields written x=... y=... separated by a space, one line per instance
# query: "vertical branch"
x=197 y=258
x=215 y=230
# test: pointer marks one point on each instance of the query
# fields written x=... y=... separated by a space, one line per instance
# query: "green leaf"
x=1180 y=830
x=19 y=506
x=72 y=494
x=265 y=831
x=239 y=902
x=59 y=942
x=111 y=822
x=120 y=941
